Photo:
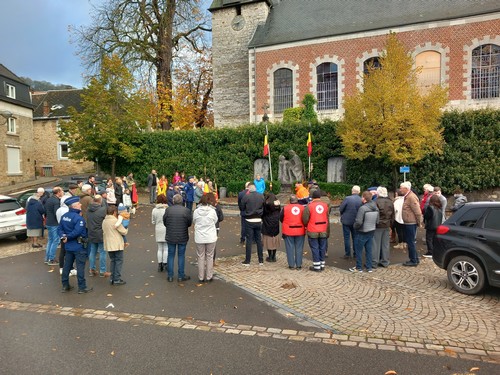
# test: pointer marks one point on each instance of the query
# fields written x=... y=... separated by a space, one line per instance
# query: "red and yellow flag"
x=266 y=146
x=309 y=145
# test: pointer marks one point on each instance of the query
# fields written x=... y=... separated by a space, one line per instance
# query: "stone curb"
x=326 y=337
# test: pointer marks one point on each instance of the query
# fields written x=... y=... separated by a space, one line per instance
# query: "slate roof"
x=22 y=88
x=58 y=102
x=8 y=74
x=298 y=20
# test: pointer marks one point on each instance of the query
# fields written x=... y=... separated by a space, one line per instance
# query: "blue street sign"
x=404 y=169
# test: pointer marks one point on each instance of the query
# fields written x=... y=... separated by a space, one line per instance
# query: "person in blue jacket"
x=73 y=232
x=189 y=190
x=260 y=184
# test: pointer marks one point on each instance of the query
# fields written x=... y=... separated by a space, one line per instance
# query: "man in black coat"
x=95 y=216
x=241 y=194
x=253 y=207
x=51 y=206
x=177 y=219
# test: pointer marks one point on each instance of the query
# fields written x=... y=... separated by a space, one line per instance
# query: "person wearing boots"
x=160 y=231
x=315 y=219
x=271 y=226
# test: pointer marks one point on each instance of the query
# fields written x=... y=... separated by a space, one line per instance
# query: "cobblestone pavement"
x=412 y=310
x=402 y=309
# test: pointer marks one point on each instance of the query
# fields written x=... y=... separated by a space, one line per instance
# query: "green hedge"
x=228 y=154
x=470 y=158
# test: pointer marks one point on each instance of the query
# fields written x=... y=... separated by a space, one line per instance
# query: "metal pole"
x=269 y=156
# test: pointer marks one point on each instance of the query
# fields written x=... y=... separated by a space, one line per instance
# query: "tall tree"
x=193 y=93
x=147 y=36
x=113 y=114
x=391 y=118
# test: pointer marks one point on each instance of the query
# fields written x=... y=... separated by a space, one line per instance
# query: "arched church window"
x=485 y=75
x=371 y=63
x=327 y=86
x=430 y=63
x=283 y=90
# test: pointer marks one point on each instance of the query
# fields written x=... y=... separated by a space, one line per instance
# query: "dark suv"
x=467 y=245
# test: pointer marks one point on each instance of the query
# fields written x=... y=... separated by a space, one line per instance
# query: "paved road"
x=257 y=320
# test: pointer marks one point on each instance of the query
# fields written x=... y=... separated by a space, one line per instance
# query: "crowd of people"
x=92 y=220
x=89 y=220
x=372 y=221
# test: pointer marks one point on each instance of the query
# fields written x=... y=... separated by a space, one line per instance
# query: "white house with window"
x=16 y=130
x=267 y=54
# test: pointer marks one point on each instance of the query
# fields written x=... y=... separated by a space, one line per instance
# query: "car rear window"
x=492 y=220
x=470 y=217
x=8 y=205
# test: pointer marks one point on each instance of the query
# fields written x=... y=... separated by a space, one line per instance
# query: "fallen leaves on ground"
x=391 y=372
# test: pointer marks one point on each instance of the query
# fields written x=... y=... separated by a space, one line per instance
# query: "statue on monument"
x=290 y=171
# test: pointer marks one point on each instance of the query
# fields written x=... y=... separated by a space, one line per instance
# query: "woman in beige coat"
x=113 y=243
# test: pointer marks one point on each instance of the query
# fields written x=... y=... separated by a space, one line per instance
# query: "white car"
x=12 y=218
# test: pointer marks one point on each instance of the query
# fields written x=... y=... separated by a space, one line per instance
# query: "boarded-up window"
x=430 y=62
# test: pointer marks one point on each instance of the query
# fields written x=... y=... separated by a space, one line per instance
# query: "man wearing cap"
x=86 y=199
x=72 y=190
x=72 y=231
x=412 y=218
x=315 y=219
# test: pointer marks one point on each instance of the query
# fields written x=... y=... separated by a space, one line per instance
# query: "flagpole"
x=309 y=154
x=269 y=158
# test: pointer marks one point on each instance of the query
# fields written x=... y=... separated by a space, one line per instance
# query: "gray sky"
x=35 y=41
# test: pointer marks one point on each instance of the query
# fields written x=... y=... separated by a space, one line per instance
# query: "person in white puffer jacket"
x=205 y=237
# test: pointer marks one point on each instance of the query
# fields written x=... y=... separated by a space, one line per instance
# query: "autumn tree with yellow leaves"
x=113 y=114
x=392 y=118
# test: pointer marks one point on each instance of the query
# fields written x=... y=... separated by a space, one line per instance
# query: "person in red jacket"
x=293 y=232
x=315 y=219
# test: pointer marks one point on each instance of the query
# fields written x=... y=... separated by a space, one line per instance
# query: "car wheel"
x=466 y=275
x=21 y=237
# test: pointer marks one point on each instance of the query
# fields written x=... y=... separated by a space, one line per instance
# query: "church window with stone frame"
x=430 y=74
x=371 y=63
x=485 y=75
x=283 y=90
x=327 y=86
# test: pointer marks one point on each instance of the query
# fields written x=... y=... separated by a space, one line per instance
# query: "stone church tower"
x=233 y=26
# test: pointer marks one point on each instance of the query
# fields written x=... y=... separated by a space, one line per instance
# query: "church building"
x=267 y=54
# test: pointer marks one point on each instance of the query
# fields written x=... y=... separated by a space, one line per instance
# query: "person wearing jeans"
x=412 y=217
x=348 y=210
x=293 y=232
x=73 y=232
x=177 y=219
x=114 y=245
x=366 y=221
x=253 y=206
x=51 y=206
x=96 y=214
